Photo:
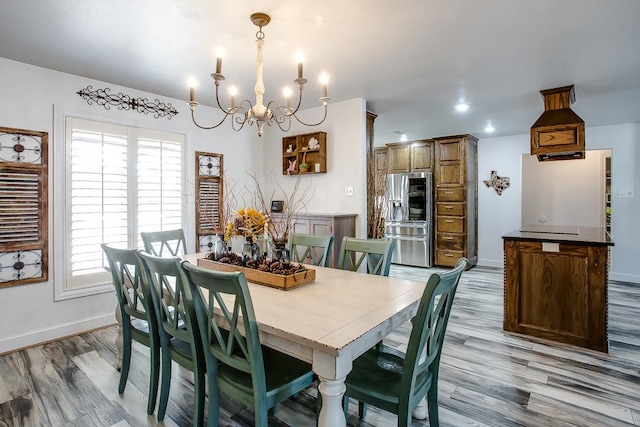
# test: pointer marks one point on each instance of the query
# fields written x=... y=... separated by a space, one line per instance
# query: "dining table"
x=331 y=321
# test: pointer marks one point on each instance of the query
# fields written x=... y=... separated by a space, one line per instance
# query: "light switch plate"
x=348 y=191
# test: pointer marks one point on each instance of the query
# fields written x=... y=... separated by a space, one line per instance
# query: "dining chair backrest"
x=134 y=295
x=428 y=331
x=377 y=254
x=397 y=382
x=167 y=243
x=237 y=344
x=237 y=365
x=310 y=247
x=138 y=316
x=179 y=332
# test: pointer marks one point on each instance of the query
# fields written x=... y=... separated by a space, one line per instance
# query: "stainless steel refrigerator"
x=409 y=219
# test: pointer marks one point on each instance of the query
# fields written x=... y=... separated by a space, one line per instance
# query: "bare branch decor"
x=106 y=99
x=295 y=202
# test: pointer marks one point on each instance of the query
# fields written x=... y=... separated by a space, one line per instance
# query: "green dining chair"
x=139 y=320
x=377 y=254
x=396 y=382
x=168 y=243
x=179 y=333
x=237 y=365
x=316 y=248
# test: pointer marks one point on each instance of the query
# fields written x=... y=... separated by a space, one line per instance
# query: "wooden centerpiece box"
x=278 y=281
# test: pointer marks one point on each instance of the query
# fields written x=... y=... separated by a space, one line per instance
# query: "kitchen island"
x=555 y=284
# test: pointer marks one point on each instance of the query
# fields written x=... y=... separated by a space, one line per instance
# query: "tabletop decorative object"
x=275 y=274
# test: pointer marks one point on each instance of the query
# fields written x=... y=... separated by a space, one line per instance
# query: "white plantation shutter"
x=159 y=191
x=120 y=181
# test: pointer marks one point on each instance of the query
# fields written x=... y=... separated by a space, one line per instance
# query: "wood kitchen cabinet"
x=399 y=157
x=412 y=156
x=555 y=284
x=455 y=197
x=421 y=156
x=381 y=159
x=340 y=225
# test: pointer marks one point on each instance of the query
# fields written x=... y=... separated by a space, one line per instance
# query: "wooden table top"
x=335 y=310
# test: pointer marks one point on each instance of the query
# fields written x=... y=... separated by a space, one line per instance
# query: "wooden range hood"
x=559 y=132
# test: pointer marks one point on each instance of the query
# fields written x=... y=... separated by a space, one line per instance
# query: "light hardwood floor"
x=487 y=378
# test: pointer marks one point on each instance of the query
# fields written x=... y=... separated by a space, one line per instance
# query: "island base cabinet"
x=557 y=292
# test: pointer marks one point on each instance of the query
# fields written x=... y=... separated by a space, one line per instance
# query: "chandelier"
x=248 y=112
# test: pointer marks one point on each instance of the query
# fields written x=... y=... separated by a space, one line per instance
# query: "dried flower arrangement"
x=247 y=222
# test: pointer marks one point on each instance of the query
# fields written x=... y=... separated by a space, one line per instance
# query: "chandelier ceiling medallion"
x=248 y=112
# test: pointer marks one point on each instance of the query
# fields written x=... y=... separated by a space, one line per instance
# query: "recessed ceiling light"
x=402 y=135
x=462 y=107
x=489 y=128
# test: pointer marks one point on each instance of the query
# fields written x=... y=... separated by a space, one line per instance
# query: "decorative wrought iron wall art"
x=498 y=183
x=106 y=99
x=23 y=207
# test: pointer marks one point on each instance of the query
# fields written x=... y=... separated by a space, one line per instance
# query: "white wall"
x=564 y=192
x=29 y=95
x=498 y=215
x=346 y=136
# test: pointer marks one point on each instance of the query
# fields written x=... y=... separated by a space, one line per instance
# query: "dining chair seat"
x=375 y=253
x=395 y=381
x=139 y=321
x=310 y=247
x=179 y=333
x=237 y=364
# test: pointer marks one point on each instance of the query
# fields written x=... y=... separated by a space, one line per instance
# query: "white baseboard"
x=624 y=277
x=489 y=263
x=46 y=335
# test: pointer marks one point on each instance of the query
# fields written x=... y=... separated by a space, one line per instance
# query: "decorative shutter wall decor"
x=208 y=199
x=23 y=207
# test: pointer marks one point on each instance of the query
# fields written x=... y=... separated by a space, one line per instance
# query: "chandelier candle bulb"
x=219 y=56
x=191 y=81
x=233 y=91
x=299 y=60
x=324 y=80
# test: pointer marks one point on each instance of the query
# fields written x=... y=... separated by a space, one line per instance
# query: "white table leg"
x=331 y=414
x=422 y=410
x=119 y=338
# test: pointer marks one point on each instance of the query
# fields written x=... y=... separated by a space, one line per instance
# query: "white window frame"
x=63 y=288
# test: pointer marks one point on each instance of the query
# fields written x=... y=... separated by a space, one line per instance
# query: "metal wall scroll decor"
x=498 y=183
x=125 y=102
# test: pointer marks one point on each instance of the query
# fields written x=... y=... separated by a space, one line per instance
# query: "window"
x=120 y=181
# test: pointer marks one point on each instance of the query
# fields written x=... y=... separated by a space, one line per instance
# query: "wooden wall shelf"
x=296 y=151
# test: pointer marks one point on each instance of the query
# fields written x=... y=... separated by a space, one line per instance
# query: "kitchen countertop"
x=562 y=234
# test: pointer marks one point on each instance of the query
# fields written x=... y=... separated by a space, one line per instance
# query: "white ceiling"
x=412 y=60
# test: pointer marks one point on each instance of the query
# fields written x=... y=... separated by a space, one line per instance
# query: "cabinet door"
x=381 y=159
x=319 y=226
x=301 y=226
x=449 y=167
x=422 y=156
x=449 y=150
x=399 y=157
